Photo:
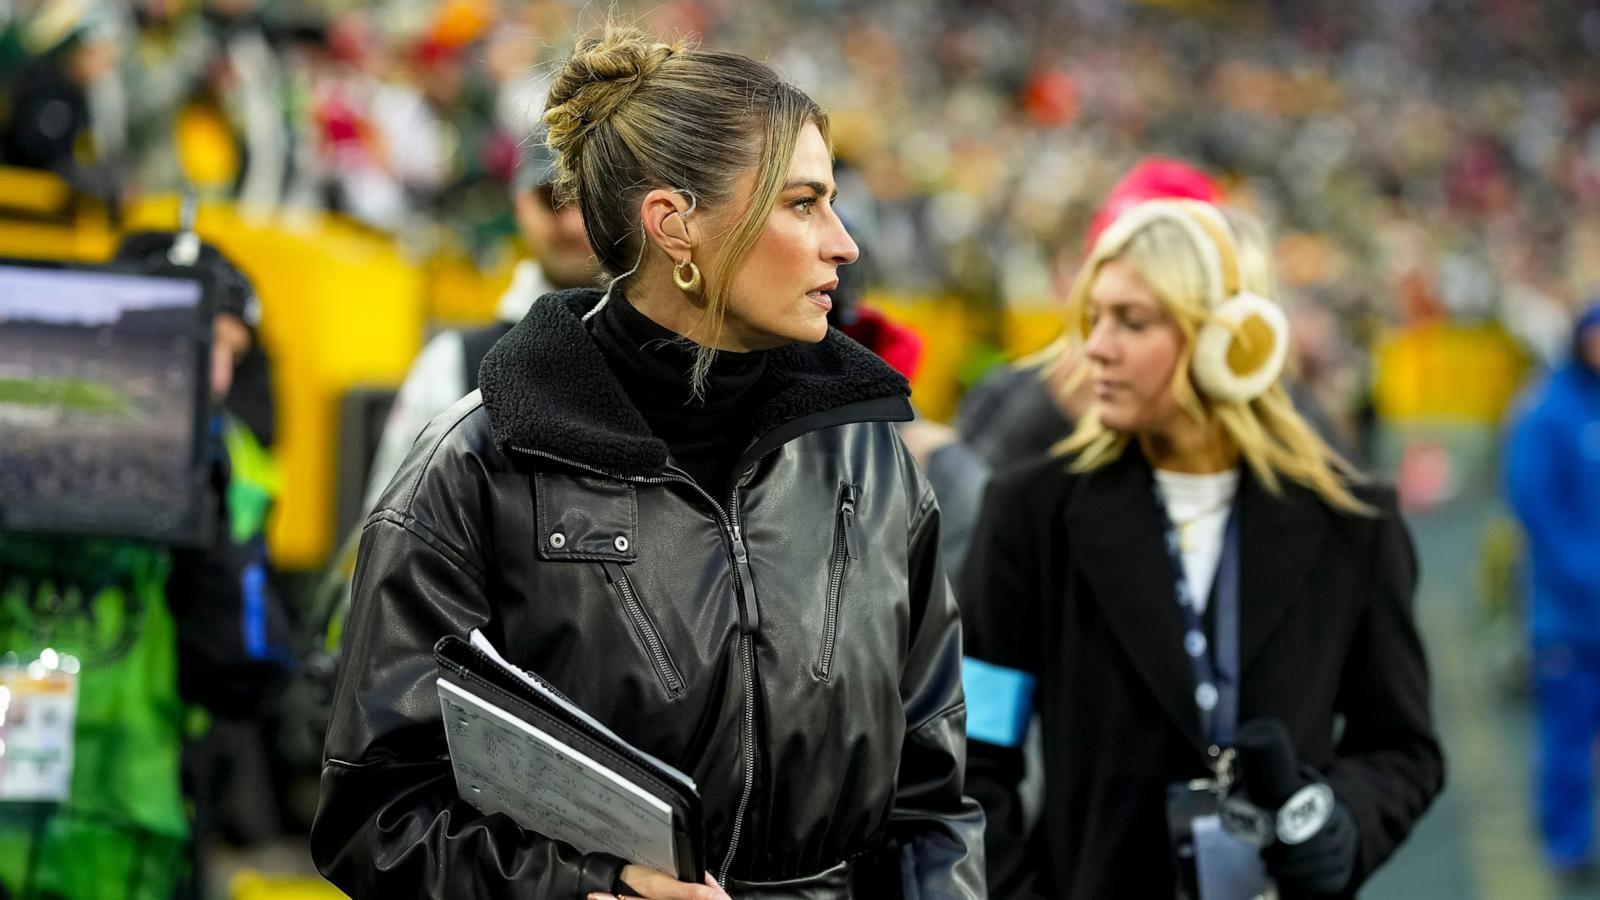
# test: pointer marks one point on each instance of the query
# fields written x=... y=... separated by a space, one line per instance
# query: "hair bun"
x=594 y=82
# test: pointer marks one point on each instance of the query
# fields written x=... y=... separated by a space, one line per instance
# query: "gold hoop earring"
x=690 y=285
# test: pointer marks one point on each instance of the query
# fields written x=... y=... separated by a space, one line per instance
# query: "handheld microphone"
x=1272 y=781
x=1267 y=763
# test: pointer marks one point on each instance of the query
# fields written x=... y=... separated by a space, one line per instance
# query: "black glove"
x=1323 y=865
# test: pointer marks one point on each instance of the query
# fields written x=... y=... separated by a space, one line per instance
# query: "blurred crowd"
x=1419 y=159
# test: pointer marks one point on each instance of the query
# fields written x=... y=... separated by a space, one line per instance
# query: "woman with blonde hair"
x=1210 y=612
x=1021 y=410
x=680 y=501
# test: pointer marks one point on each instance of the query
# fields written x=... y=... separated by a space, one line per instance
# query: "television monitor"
x=104 y=399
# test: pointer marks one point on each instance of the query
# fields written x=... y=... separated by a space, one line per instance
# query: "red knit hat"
x=1154 y=178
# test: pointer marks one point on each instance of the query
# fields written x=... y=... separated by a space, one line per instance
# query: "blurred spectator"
x=447 y=368
x=1553 y=478
x=235 y=639
x=73 y=48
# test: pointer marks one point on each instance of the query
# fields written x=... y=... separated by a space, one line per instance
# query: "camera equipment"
x=104 y=401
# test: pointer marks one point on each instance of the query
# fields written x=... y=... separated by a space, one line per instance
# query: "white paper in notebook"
x=504 y=764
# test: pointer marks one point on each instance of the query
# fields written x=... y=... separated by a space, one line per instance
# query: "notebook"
x=519 y=747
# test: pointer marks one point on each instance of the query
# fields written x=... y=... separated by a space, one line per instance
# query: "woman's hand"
x=652 y=885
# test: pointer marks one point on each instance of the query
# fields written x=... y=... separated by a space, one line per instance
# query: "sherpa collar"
x=546 y=387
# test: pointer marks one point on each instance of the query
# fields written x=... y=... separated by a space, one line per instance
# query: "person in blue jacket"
x=1553 y=479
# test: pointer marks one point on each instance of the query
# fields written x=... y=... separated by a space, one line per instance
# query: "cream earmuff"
x=1239 y=351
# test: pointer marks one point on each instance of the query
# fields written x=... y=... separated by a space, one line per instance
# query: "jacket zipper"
x=670 y=679
x=749 y=622
x=747 y=591
x=845 y=548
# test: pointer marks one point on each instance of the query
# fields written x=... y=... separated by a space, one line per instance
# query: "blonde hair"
x=628 y=114
x=1270 y=434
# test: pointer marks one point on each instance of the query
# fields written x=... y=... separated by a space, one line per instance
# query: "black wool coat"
x=1069 y=582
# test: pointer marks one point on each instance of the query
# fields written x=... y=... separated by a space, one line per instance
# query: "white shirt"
x=1198 y=506
x=438 y=379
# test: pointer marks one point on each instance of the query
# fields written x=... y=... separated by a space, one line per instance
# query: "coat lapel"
x=1119 y=546
x=1282 y=537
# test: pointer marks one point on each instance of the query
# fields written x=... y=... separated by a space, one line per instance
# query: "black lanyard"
x=1215 y=663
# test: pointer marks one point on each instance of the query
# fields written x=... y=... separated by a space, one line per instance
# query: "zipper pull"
x=749 y=608
x=847 y=516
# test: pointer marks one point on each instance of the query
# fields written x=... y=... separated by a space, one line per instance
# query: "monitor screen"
x=102 y=400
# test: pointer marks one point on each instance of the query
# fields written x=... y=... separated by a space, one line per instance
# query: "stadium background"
x=1430 y=169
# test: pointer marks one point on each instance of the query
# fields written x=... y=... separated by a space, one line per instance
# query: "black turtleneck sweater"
x=705 y=435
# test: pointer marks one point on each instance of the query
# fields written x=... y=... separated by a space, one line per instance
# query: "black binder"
x=486 y=698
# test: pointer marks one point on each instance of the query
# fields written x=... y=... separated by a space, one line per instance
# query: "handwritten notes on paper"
x=503 y=764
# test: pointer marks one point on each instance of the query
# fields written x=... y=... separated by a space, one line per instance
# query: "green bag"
x=122 y=832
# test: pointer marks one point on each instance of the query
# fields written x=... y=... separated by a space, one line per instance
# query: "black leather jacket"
x=793 y=646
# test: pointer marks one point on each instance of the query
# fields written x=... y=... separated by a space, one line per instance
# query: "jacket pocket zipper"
x=668 y=673
x=846 y=546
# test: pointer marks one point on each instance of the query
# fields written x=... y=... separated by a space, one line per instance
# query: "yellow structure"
x=1447 y=373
